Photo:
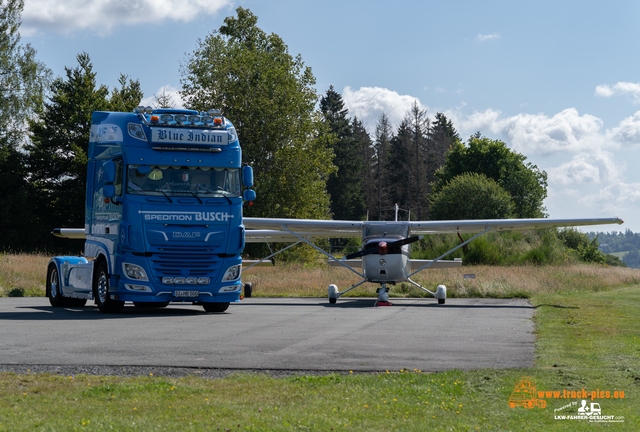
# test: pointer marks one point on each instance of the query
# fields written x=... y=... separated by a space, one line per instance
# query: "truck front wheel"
x=215 y=307
x=101 y=290
x=54 y=292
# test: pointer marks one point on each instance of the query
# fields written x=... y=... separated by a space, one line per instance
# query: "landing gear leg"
x=383 y=296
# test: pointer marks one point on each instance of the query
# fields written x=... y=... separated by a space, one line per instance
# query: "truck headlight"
x=233 y=135
x=232 y=273
x=133 y=271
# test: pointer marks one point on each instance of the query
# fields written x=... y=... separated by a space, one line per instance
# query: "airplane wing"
x=274 y=229
x=474 y=226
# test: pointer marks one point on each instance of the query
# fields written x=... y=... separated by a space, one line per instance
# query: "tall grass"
x=23 y=275
x=488 y=281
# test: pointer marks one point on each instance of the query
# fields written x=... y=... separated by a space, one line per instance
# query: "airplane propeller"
x=384 y=248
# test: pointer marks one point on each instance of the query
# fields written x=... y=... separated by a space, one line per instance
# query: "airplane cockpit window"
x=386 y=230
x=183 y=180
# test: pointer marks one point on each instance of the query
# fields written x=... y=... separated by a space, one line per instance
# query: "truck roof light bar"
x=193 y=119
x=183 y=149
x=180 y=118
x=149 y=110
x=166 y=118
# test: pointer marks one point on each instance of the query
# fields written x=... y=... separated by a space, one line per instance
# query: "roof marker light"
x=214 y=112
x=155 y=118
x=206 y=119
x=180 y=118
x=193 y=118
x=217 y=121
x=166 y=118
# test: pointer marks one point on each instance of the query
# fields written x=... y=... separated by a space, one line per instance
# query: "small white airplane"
x=385 y=245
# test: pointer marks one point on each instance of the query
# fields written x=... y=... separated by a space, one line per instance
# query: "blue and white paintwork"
x=168 y=234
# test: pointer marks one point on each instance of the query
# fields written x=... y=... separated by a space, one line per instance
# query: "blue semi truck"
x=163 y=218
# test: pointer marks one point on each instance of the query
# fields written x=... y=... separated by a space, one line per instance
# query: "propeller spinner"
x=383 y=248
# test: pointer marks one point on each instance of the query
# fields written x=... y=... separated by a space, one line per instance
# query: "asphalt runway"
x=274 y=334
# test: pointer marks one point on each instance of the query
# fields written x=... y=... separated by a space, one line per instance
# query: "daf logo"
x=382 y=261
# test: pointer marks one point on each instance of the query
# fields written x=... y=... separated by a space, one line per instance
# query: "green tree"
x=269 y=96
x=344 y=186
x=526 y=184
x=471 y=196
x=23 y=82
x=60 y=139
x=383 y=135
x=367 y=174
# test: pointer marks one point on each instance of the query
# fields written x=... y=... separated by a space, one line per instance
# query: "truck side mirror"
x=109 y=172
x=249 y=195
x=109 y=191
x=247 y=176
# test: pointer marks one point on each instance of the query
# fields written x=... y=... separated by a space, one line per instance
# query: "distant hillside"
x=624 y=245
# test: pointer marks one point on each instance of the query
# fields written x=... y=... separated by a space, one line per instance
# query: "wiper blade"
x=163 y=193
x=196 y=196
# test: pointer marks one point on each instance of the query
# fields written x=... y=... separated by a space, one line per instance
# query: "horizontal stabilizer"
x=72 y=233
x=415 y=264
x=258 y=263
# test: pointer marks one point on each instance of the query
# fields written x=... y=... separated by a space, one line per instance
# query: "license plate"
x=186 y=293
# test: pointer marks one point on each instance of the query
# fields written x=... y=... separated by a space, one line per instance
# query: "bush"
x=471 y=196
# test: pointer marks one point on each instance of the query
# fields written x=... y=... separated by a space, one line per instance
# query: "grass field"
x=588 y=338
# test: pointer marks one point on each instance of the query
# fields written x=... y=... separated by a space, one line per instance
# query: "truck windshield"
x=183 y=180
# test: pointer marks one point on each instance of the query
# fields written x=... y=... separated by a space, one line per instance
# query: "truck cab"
x=163 y=218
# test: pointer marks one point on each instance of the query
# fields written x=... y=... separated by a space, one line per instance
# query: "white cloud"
x=614 y=199
x=598 y=168
x=566 y=131
x=627 y=134
x=101 y=16
x=168 y=90
x=619 y=89
x=368 y=103
x=483 y=38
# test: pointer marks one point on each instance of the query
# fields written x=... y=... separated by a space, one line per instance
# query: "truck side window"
x=118 y=183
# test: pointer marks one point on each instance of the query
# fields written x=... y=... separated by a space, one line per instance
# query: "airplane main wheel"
x=54 y=292
x=101 y=290
x=248 y=289
x=332 y=300
x=440 y=301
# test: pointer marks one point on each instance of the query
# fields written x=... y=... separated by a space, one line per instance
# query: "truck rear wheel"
x=101 y=290
x=54 y=292
x=215 y=307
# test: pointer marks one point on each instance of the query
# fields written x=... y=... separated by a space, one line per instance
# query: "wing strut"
x=273 y=254
x=321 y=251
x=447 y=253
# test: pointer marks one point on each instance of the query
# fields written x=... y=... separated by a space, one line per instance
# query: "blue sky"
x=557 y=81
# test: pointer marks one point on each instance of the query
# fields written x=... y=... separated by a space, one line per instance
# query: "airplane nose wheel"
x=383 y=296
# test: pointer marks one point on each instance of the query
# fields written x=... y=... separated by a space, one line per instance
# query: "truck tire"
x=215 y=307
x=248 y=290
x=54 y=292
x=101 y=290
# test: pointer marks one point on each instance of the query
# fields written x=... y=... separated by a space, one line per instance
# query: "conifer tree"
x=345 y=185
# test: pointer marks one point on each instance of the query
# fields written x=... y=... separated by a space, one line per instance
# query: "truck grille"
x=181 y=263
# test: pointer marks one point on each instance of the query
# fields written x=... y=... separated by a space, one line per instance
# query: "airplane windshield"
x=182 y=180
x=386 y=229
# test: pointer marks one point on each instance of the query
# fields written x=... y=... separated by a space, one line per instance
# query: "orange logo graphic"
x=525 y=395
